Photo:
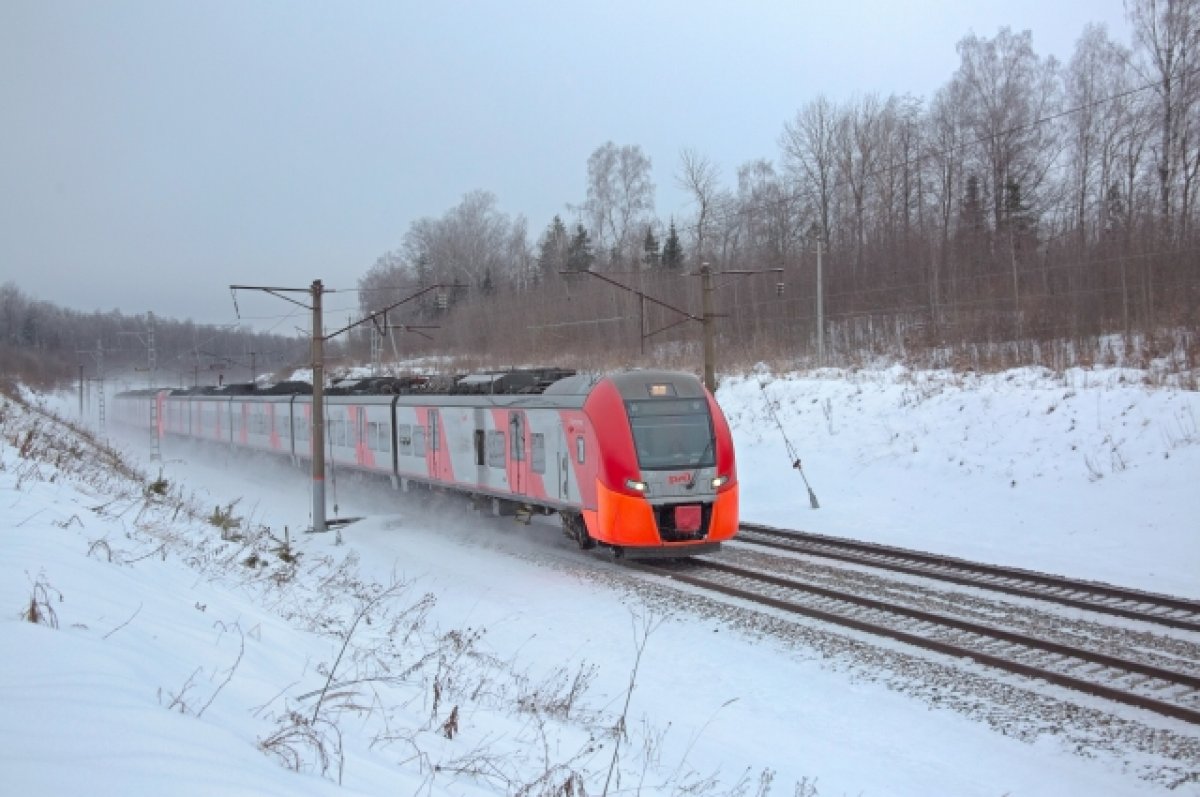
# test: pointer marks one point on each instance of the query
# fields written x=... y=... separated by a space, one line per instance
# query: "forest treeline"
x=44 y=345
x=1029 y=209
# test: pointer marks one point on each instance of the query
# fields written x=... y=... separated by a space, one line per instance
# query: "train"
x=641 y=462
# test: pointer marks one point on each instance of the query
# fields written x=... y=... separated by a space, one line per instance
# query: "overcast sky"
x=152 y=153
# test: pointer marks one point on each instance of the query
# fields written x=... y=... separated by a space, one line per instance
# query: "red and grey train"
x=640 y=461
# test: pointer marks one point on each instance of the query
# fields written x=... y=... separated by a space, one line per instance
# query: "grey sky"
x=152 y=153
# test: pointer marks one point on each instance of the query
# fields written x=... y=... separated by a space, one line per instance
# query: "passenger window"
x=496 y=449
x=537 y=445
x=404 y=438
x=418 y=441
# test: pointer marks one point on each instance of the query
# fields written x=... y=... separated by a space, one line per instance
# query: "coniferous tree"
x=553 y=248
x=672 y=253
x=579 y=254
x=651 y=258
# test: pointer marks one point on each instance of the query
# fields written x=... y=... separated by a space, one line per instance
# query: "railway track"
x=1162 y=610
x=1162 y=690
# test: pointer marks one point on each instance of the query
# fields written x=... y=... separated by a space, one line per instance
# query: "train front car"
x=666 y=481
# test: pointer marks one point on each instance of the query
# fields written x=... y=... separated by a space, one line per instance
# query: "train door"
x=518 y=462
x=434 y=444
x=361 y=448
x=564 y=467
x=479 y=441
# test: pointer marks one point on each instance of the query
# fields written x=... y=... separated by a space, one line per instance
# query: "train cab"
x=666 y=479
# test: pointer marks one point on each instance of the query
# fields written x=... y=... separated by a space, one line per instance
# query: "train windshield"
x=672 y=434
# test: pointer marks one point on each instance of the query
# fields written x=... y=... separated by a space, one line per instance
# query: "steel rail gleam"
x=1166 y=692
x=1164 y=610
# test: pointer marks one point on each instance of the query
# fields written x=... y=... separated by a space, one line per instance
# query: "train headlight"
x=719 y=481
x=634 y=484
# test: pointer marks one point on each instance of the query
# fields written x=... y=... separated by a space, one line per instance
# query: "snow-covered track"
x=1149 y=607
x=1158 y=689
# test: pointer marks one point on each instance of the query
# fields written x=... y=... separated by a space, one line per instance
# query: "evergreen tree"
x=552 y=249
x=972 y=234
x=1114 y=210
x=427 y=304
x=1019 y=220
x=650 y=254
x=672 y=253
x=579 y=253
x=972 y=207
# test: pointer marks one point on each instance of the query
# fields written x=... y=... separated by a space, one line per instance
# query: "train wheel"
x=576 y=529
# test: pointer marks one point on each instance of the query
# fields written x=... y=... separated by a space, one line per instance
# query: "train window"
x=672 y=434
x=373 y=435
x=537 y=445
x=418 y=441
x=495 y=449
x=385 y=437
x=404 y=438
x=579 y=452
x=479 y=447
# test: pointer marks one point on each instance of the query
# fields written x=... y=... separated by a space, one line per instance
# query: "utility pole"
x=706 y=302
x=151 y=378
x=318 y=409
x=381 y=327
x=315 y=292
x=155 y=420
x=97 y=355
x=820 y=309
x=706 y=318
x=642 y=322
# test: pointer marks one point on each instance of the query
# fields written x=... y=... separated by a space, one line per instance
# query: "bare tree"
x=809 y=148
x=698 y=176
x=1167 y=33
x=858 y=141
x=620 y=199
x=1006 y=90
x=471 y=243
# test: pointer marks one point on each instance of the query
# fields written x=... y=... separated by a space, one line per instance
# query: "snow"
x=172 y=659
x=1090 y=474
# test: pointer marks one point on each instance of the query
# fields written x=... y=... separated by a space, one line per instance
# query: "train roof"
x=654 y=382
x=557 y=383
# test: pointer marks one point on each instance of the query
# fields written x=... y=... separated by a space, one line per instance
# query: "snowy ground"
x=177 y=658
x=1091 y=474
